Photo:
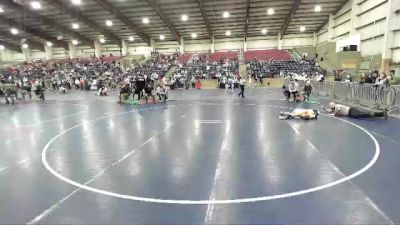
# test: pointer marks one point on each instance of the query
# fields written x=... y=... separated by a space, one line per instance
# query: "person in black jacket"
x=139 y=86
x=307 y=91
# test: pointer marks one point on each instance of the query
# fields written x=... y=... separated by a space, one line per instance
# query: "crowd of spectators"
x=100 y=74
x=200 y=67
x=283 y=68
x=374 y=77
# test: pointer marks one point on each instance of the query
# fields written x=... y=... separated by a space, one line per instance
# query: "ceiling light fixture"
x=162 y=37
x=75 y=26
x=145 y=20
x=271 y=11
x=102 y=40
x=302 y=28
x=194 y=35
x=1 y=9
x=59 y=37
x=228 y=33
x=2 y=47
x=226 y=15
x=264 y=31
x=36 y=5
x=49 y=44
x=318 y=8
x=184 y=17
x=76 y=2
x=109 y=23
x=25 y=46
x=131 y=38
x=75 y=42
x=14 y=31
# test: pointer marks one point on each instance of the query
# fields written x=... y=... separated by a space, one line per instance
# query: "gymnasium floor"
x=204 y=158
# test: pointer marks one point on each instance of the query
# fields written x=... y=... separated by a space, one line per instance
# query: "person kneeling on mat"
x=124 y=93
x=103 y=91
x=354 y=112
x=162 y=93
x=304 y=114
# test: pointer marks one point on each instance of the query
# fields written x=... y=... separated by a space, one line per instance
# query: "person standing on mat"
x=355 y=112
x=242 y=83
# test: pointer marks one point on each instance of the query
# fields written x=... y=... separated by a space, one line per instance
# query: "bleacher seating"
x=184 y=58
x=276 y=63
x=202 y=66
x=217 y=56
x=266 y=55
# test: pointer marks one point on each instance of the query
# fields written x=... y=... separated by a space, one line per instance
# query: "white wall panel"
x=396 y=39
x=342 y=18
x=373 y=30
x=372 y=47
x=297 y=42
x=37 y=54
x=343 y=29
x=262 y=43
x=322 y=38
x=228 y=44
x=396 y=56
x=197 y=46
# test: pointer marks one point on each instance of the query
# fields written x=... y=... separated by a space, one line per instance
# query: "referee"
x=242 y=82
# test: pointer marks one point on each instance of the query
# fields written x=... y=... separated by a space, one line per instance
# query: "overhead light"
x=194 y=35
x=264 y=31
x=145 y=20
x=109 y=23
x=49 y=44
x=131 y=38
x=302 y=28
x=59 y=37
x=75 y=26
x=75 y=42
x=14 y=31
x=225 y=15
x=1 y=9
x=184 y=17
x=2 y=47
x=317 y=8
x=228 y=33
x=271 y=11
x=25 y=46
x=102 y=40
x=162 y=37
x=76 y=2
x=36 y=5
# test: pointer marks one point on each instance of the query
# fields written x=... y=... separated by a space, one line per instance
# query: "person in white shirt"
x=250 y=80
x=162 y=93
x=230 y=82
x=294 y=89
x=242 y=83
x=304 y=114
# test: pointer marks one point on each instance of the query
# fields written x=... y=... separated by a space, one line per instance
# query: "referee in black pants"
x=242 y=83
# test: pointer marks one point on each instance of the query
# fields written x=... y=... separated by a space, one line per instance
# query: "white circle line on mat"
x=49 y=120
x=206 y=202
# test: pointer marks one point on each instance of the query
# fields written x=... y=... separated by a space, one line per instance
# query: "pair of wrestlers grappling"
x=335 y=110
